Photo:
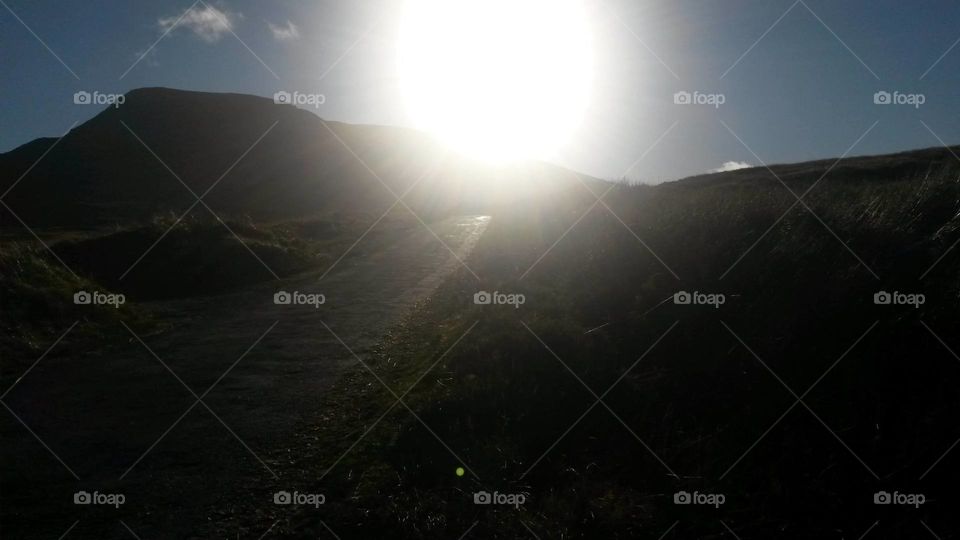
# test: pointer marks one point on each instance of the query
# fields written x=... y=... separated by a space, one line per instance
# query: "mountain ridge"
x=145 y=157
x=266 y=161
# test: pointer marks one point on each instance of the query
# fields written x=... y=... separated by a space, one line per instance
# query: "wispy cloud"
x=732 y=166
x=148 y=56
x=206 y=22
x=287 y=32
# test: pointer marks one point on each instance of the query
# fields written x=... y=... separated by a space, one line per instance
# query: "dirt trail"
x=101 y=414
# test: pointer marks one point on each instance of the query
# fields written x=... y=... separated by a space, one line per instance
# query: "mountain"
x=257 y=159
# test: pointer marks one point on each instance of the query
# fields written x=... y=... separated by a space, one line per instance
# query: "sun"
x=496 y=79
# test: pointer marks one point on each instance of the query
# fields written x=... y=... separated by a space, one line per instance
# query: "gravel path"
x=130 y=422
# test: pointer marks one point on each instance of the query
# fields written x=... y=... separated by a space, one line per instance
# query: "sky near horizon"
x=777 y=81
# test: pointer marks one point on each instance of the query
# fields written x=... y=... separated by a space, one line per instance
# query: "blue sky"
x=800 y=89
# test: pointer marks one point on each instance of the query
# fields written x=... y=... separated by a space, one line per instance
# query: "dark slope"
x=100 y=173
x=798 y=398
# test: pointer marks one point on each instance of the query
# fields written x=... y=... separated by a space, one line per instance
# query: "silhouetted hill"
x=886 y=167
x=279 y=162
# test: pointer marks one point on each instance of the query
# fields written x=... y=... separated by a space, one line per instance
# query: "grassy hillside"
x=202 y=256
x=37 y=295
x=698 y=395
x=188 y=258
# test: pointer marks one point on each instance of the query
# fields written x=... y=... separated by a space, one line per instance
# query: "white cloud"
x=732 y=166
x=288 y=32
x=207 y=22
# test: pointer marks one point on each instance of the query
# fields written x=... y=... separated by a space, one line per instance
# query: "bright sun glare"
x=496 y=79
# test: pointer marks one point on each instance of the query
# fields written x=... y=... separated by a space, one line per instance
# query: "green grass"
x=36 y=292
x=191 y=257
x=197 y=256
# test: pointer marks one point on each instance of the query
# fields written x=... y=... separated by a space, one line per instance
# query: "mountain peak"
x=163 y=147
